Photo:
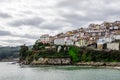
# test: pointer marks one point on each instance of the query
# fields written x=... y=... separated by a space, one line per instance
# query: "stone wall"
x=52 y=61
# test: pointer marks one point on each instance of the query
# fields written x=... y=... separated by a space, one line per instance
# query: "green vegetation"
x=75 y=53
x=40 y=50
x=87 y=55
x=39 y=46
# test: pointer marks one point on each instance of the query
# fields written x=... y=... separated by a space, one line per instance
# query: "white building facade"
x=44 y=38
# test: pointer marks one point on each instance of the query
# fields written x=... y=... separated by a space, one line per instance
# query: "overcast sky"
x=23 y=21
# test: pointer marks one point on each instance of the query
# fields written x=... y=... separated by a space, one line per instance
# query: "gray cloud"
x=76 y=20
x=2 y=1
x=4 y=15
x=86 y=4
x=29 y=22
x=19 y=41
x=4 y=33
x=28 y=36
x=51 y=27
x=92 y=10
x=57 y=25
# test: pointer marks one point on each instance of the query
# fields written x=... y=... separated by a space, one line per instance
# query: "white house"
x=105 y=40
x=59 y=41
x=114 y=28
x=113 y=46
x=69 y=40
x=44 y=38
x=66 y=40
x=117 y=37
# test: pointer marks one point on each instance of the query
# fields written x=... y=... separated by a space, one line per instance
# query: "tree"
x=73 y=52
x=23 y=52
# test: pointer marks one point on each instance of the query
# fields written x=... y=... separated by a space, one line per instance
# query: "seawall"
x=52 y=61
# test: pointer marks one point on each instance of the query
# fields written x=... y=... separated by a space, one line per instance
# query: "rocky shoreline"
x=110 y=65
x=68 y=62
x=98 y=64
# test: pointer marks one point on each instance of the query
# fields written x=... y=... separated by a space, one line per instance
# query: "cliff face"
x=52 y=61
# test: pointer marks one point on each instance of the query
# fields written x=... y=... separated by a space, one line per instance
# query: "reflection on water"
x=15 y=72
